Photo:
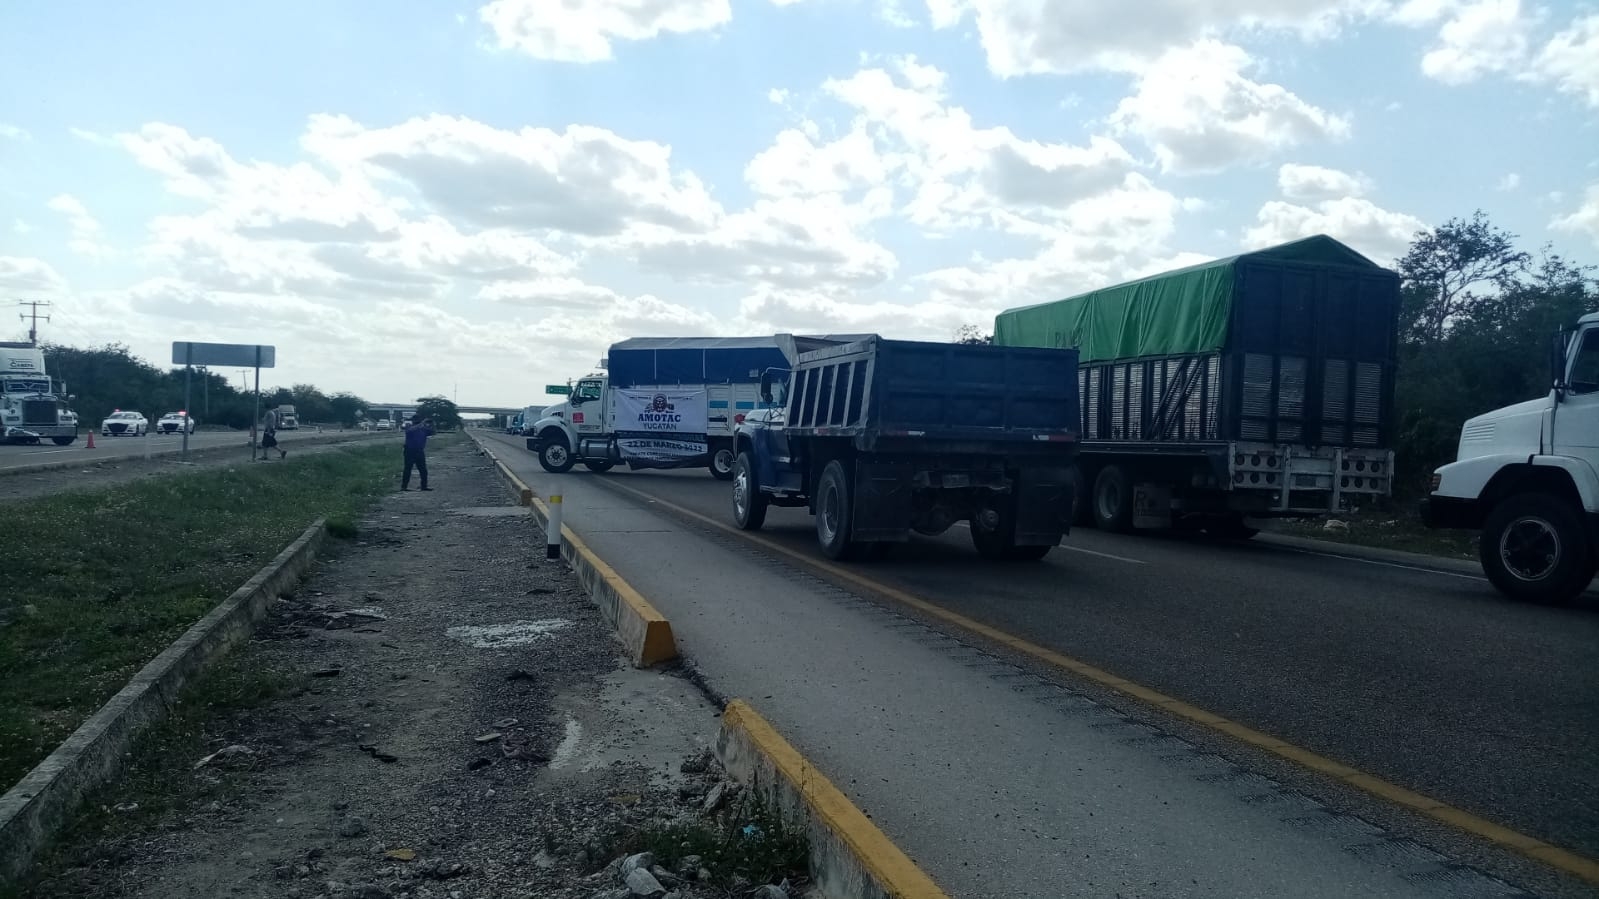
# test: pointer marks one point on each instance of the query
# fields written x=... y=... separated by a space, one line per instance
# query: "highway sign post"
x=241 y=355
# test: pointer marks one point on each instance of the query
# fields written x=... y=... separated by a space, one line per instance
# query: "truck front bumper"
x=1451 y=512
x=42 y=432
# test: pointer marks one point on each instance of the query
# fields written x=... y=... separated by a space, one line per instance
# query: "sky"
x=475 y=199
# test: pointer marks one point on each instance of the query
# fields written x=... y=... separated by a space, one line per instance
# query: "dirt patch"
x=462 y=726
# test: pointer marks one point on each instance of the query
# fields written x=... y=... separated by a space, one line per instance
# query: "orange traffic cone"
x=91 y=441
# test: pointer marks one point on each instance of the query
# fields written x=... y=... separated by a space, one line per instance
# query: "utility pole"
x=33 y=329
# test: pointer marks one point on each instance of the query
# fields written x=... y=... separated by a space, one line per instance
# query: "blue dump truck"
x=1257 y=385
x=878 y=438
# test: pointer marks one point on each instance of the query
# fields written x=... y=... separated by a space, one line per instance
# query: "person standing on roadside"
x=416 y=444
x=269 y=435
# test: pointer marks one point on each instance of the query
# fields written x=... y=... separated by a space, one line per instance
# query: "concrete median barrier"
x=34 y=810
x=850 y=857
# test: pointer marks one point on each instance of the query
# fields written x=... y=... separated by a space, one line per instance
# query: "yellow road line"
x=1563 y=859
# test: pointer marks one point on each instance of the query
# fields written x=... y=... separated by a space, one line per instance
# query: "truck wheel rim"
x=723 y=460
x=1109 y=501
x=829 y=513
x=741 y=493
x=557 y=455
x=1530 y=549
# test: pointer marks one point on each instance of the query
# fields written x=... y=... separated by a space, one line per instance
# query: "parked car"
x=124 y=424
x=175 y=423
x=385 y=425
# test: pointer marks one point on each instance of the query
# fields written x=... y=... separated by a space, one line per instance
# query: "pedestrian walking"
x=416 y=444
x=269 y=435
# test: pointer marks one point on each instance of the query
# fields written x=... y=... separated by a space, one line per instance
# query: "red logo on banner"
x=577 y=418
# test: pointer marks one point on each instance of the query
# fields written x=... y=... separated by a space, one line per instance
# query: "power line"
x=33 y=330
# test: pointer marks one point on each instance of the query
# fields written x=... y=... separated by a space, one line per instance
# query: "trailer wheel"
x=834 y=509
x=1113 y=500
x=722 y=462
x=1534 y=549
x=749 y=503
x=556 y=456
x=599 y=467
x=63 y=441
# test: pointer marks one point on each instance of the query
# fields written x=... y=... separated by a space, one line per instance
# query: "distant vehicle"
x=385 y=424
x=287 y=420
x=1256 y=386
x=33 y=407
x=175 y=423
x=1525 y=476
x=879 y=438
x=366 y=424
x=125 y=424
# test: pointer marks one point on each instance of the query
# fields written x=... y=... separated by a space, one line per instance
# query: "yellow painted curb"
x=1563 y=859
x=850 y=856
x=645 y=632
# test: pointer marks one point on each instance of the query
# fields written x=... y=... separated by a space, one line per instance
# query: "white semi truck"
x=1527 y=477
x=33 y=407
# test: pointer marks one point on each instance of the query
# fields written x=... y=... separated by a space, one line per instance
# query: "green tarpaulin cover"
x=1178 y=312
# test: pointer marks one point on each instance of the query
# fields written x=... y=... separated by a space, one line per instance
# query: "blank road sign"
x=231 y=355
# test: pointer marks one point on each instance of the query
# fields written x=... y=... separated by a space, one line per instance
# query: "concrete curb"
x=1371 y=553
x=850 y=856
x=163 y=454
x=32 y=811
x=645 y=632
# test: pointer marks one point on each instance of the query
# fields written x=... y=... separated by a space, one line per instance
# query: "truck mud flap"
x=882 y=502
x=1043 y=505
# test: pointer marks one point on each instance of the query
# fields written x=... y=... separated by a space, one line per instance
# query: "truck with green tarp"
x=1258 y=385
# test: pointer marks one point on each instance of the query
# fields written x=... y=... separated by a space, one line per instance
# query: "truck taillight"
x=738 y=419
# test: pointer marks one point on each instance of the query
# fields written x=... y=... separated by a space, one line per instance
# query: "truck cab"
x=1527 y=477
x=574 y=430
x=33 y=407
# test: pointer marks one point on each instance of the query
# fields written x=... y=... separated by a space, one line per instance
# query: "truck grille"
x=38 y=412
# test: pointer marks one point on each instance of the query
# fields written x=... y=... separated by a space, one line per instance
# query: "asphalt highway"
x=108 y=448
x=1426 y=679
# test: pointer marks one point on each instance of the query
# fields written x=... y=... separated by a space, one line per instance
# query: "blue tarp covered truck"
x=663 y=402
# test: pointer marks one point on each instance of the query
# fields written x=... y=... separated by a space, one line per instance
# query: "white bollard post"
x=552 y=533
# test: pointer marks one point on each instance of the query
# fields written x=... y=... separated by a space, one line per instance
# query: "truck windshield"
x=588 y=390
x=1585 y=368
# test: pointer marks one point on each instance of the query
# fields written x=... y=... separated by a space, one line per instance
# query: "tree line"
x=1477 y=317
x=106 y=378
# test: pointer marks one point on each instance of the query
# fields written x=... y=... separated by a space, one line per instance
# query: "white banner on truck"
x=661 y=428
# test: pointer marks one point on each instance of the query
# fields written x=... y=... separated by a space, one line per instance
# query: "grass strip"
x=1393 y=528
x=97 y=582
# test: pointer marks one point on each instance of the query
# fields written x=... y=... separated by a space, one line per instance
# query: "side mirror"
x=766 y=386
x=1557 y=361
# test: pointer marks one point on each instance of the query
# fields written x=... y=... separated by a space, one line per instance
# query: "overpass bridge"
x=405 y=410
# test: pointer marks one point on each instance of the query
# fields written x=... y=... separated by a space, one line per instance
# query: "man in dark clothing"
x=416 y=443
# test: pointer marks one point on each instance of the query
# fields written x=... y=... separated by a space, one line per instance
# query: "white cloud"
x=1313 y=182
x=1582 y=220
x=1037 y=37
x=1571 y=60
x=582 y=180
x=1378 y=233
x=25 y=274
x=87 y=238
x=1479 y=38
x=1199 y=113
x=960 y=175
x=13 y=132
x=21 y=227
x=1509 y=182
x=583 y=32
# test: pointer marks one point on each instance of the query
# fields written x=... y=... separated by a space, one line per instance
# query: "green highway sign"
x=559 y=390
